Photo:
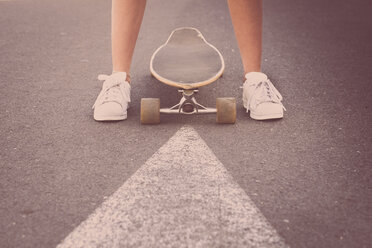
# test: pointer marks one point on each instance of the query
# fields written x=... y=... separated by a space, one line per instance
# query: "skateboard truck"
x=188 y=105
x=225 y=108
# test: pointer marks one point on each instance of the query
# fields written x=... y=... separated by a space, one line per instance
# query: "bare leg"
x=112 y=102
x=126 y=22
x=246 y=17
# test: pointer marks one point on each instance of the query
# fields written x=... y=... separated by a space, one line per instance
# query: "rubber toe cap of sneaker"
x=267 y=110
x=109 y=111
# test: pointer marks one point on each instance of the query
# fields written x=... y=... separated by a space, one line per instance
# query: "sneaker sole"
x=111 y=118
x=266 y=117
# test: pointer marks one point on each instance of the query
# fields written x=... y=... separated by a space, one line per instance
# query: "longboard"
x=187 y=61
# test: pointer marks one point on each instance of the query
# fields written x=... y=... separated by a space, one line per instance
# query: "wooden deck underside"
x=186 y=60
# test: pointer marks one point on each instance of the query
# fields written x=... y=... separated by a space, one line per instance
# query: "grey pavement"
x=309 y=174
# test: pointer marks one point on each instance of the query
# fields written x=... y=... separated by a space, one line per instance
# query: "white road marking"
x=181 y=197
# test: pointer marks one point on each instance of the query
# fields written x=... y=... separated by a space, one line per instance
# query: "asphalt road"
x=309 y=173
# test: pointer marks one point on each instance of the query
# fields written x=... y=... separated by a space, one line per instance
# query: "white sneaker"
x=261 y=98
x=112 y=101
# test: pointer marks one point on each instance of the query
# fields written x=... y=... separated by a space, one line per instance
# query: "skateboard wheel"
x=150 y=111
x=226 y=110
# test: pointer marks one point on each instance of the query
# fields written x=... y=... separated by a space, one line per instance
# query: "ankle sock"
x=128 y=76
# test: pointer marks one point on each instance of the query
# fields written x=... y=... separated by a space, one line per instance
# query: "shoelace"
x=264 y=92
x=110 y=81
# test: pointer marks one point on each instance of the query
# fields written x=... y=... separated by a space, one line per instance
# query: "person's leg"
x=260 y=97
x=112 y=102
x=126 y=21
x=246 y=16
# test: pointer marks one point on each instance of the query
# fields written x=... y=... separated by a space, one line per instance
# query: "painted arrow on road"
x=182 y=196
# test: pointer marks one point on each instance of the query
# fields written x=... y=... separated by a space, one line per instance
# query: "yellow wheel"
x=150 y=111
x=226 y=110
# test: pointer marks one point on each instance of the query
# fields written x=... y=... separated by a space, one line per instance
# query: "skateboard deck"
x=186 y=60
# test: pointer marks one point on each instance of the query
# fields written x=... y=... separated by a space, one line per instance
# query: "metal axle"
x=188 y=105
